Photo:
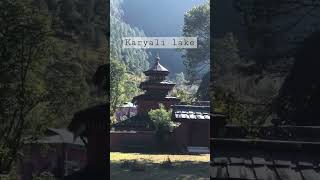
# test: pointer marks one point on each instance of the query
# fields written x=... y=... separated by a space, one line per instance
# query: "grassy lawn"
x=184 y=167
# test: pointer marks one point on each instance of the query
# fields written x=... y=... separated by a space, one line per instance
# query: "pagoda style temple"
x=157 y=90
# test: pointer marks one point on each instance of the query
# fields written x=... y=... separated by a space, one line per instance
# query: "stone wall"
x=132 y=140
x=187 y=134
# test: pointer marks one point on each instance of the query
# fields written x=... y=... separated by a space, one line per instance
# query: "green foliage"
x=226 y=102
x=163 y=124
x=197 y=24
x=224 y=97
x=183 y=90
x=236 y=91
x=239 y=112
x=226 y=55
x=82 y=20
x=161 y=118
x=47 y=60
x=113 y=120
x=123 y=86
x=203 y=92
x=26 y=46
x=180 y=80
x=117 y=91
x=136 y=60
x=67 y=87
x=185 y=96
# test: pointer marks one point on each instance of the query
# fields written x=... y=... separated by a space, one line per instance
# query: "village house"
x=126 y=111
x=58 y=153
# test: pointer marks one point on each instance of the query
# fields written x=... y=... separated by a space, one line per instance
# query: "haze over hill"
x=160 y=18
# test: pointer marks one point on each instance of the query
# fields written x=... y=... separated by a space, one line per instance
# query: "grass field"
x=184 y=167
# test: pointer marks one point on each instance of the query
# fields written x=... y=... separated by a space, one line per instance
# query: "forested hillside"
x=136 y=60
x=79 y=29
x=77 y=33
x=160 y=18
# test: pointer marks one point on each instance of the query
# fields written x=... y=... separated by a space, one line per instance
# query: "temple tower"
x=156 y=89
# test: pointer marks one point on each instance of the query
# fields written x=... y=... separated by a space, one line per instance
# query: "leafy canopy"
x=162 y=119
x=197 y=24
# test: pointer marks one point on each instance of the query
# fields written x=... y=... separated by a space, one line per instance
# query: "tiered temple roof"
x=156 y=89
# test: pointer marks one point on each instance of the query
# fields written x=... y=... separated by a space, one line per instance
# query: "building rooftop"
x=190 y=112
x=128 y=104
x=246 y=159
x=58 y=136
x=157 y=68
x=287 y=133
x=154 y=98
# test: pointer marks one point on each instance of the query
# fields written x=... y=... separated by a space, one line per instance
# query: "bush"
x=163 y=124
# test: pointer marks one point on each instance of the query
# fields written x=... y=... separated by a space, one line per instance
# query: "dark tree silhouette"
x=299 y=98
x=100 y=77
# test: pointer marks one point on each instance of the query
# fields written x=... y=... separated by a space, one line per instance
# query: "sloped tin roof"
x=191 y=112
x=265 y=160
x=158 y=67
x=58 y=136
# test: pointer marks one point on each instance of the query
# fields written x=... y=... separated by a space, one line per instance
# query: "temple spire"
x=157 y=68
x=157 y=58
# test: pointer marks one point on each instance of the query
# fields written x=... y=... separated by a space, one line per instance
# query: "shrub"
x=163 y=124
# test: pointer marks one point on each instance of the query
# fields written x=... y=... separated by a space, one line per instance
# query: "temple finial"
x=157 y=58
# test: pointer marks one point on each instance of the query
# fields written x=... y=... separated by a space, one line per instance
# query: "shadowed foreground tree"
x=100 y=78
x=272 y=32
x=25 y=46
x=274 y=29
x=299 y=98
